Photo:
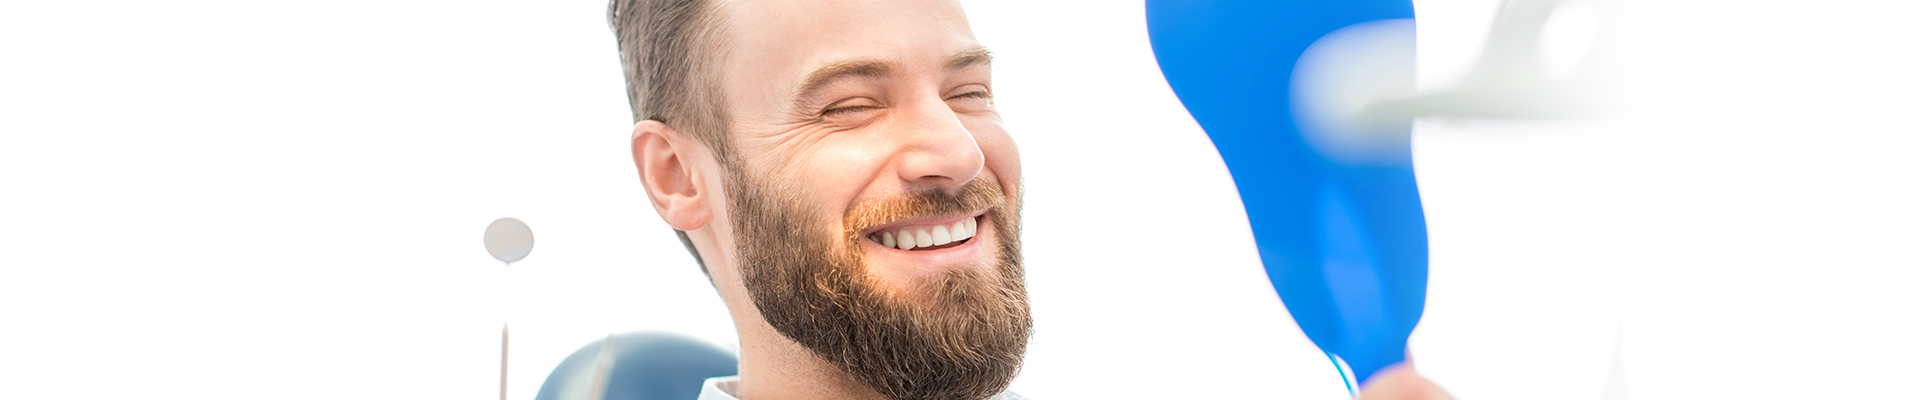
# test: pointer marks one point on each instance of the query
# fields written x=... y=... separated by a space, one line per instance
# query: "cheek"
x=822 y=164
x=1002 y=156
x=833 y=174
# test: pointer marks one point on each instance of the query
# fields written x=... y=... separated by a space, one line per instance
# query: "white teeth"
x=941 y=236
x=906 y=240
x=922 y=239
x=909 y=238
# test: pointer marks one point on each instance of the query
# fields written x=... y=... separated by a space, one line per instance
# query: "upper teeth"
x=912 y=237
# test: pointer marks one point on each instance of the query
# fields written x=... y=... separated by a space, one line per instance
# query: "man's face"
x=874 y=198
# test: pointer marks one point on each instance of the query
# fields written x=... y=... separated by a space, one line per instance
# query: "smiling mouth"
x=928 y=237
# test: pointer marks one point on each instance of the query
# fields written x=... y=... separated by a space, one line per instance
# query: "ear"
x=671 y=177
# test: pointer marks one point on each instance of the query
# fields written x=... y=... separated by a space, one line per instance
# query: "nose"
x=939 y=152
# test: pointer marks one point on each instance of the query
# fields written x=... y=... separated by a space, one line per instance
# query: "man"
x=839 y=170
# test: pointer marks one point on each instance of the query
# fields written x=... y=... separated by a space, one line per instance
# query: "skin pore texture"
x=855 y=123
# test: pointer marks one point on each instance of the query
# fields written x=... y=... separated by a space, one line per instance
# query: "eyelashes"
x=981 y=94
x=837 y=110
x=971 y=102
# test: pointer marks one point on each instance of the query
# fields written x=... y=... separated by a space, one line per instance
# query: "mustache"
x=976 y=194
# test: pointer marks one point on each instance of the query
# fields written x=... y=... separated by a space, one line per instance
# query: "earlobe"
x=671 y=180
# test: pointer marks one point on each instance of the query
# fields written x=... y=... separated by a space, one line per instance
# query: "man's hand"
x=1399 y=382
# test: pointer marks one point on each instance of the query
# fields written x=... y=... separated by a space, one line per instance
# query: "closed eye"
x=844 y=110
x=971 y=102
x=850 y=106
x=981 y=94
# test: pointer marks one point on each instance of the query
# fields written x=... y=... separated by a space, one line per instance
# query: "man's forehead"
x=795 y=40
x=859 y=12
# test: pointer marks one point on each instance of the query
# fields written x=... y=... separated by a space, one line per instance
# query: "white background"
x=284 y=200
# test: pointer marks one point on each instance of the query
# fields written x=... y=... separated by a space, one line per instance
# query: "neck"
x=773 y=367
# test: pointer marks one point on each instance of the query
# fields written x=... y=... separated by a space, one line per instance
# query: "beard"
x=960 y=334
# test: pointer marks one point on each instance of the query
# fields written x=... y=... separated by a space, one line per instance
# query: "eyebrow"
x=827 y=75
x=970 y=57
x=820 y=78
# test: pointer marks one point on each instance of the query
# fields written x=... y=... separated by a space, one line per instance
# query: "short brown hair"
x=670 y=52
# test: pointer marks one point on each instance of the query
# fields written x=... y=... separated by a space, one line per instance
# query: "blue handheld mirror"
x=1280 y=87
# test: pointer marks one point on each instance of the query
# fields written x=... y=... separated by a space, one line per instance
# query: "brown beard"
x=960 y=335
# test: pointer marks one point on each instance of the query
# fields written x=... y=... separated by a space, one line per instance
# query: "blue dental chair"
x=645 y=365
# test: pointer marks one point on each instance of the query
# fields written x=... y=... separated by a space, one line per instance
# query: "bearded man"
x=840 y=172
x=838 y=169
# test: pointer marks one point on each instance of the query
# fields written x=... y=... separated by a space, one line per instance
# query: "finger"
x=1399 y=382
